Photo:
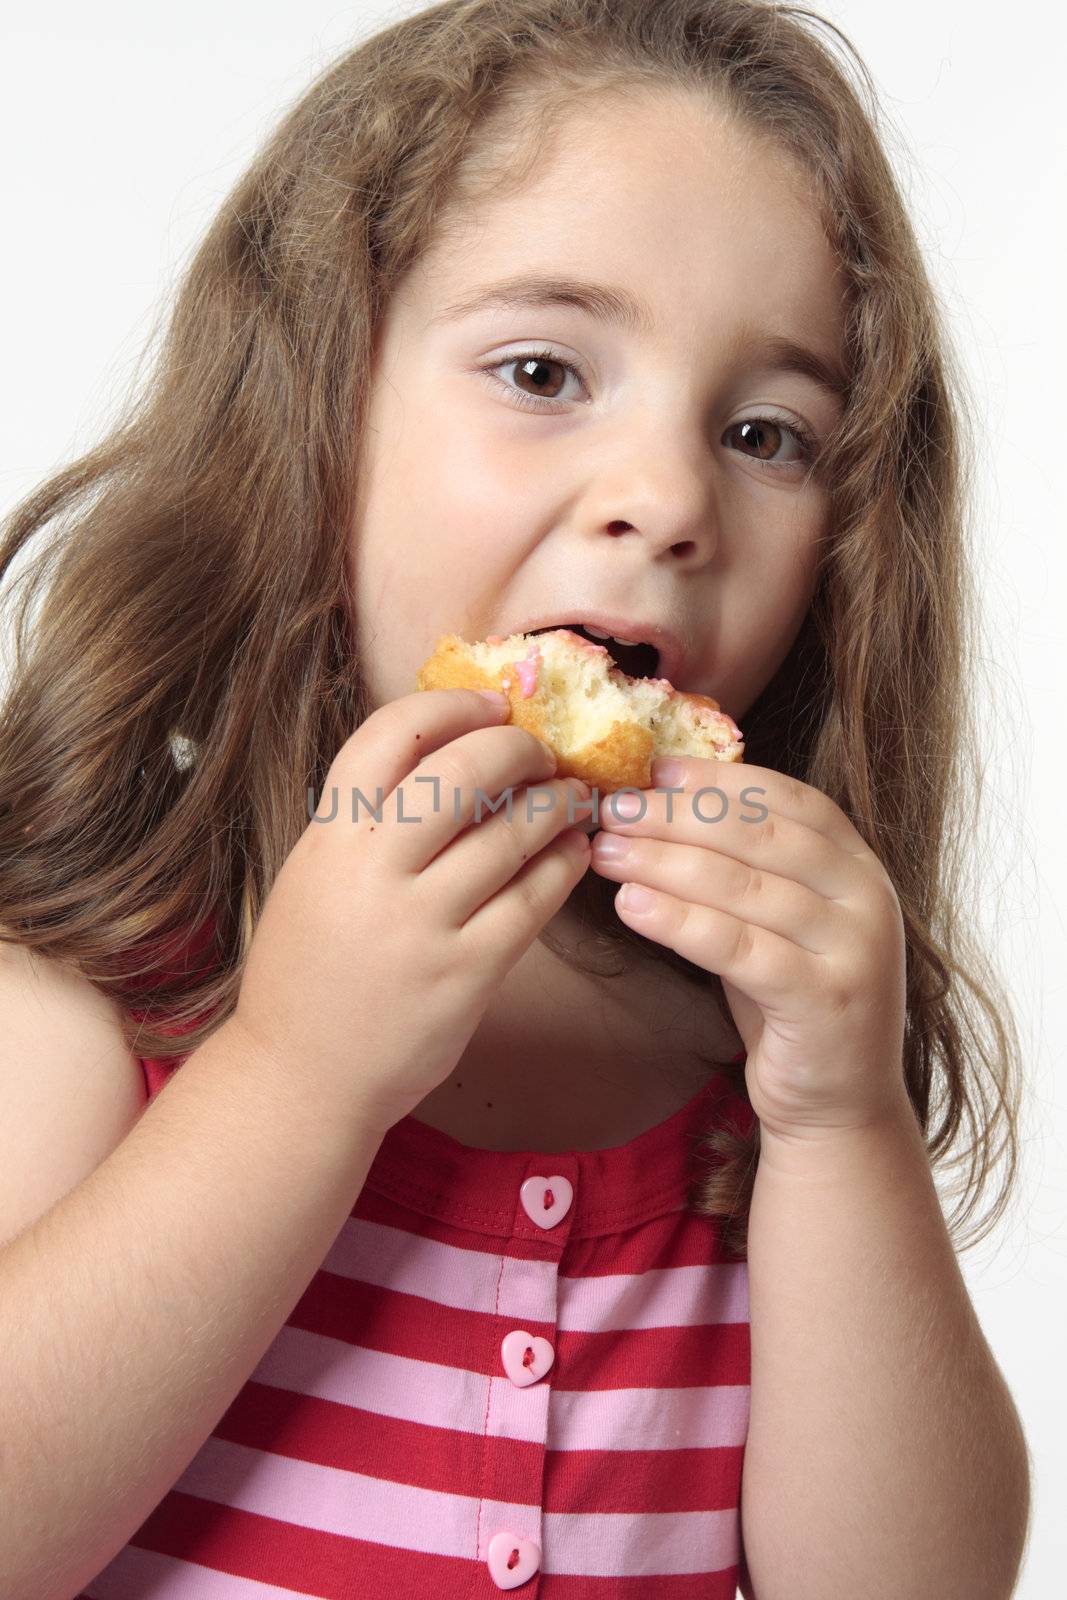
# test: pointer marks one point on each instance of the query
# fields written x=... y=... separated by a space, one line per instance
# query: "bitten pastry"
x=603 y=725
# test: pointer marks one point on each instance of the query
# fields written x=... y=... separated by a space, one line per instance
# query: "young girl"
x=431 y=1264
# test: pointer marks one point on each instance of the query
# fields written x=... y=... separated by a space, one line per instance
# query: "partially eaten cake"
x=604 y=726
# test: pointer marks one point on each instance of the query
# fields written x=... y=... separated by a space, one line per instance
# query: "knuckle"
x=514 y=840
x=684 y=918
x=477 y=953
x=749 y=885
x=837 y=995
x=796 y=793
x=766 y=834
x=532 y=893
x=744 y=943
x=456 y=771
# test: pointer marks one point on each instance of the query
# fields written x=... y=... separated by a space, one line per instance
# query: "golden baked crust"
x=604 y=726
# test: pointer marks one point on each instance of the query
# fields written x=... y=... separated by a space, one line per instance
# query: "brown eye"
x=536 y=377
x=537 y=371
x=767 y=435
x=536 y=384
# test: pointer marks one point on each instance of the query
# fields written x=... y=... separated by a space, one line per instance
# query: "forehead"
x=699 y=216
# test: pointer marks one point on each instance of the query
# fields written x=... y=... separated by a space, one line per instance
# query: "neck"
x=567 y=1059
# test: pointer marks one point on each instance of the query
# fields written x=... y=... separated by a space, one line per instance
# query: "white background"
x=123 y=126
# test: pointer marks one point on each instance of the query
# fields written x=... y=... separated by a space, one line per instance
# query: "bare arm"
x=134 y=1309
x=885 y=1457
x=132 y=1312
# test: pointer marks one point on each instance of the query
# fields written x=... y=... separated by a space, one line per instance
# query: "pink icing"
x=527 y=670
x=720 y=716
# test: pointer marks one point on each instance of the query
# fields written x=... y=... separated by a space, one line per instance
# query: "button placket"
x=512 y=1559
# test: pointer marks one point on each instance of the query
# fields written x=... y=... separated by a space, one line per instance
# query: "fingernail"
x=627 y=805
x=636 y=898
x=610 y=847
x=493 y=695
x=668 y=772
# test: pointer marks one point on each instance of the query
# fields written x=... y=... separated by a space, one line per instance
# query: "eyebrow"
x=623 y=309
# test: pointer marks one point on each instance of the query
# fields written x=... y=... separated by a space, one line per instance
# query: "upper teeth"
x=599 y=634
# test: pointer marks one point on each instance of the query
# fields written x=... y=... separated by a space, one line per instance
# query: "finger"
x=438 y=795
x=772 y=844
x=709 y=878
x=473 y=777
x=779 y=793
x=502 y=929
x=488 y=854
x=768 y=968
x=393 y=738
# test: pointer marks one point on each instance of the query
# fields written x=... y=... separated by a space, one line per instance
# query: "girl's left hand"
x=784 y=899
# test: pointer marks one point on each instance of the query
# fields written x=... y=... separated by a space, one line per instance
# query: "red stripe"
x=374 y=1207
x=681 y=1239
x=643 y=1480
x=306 y=1560
x=653 y=1358
x=311 y=1561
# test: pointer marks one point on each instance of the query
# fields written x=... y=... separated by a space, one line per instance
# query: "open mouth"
x=636 y=660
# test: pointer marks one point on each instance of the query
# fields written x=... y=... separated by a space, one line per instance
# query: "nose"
x=668 y=504
x=690 y=550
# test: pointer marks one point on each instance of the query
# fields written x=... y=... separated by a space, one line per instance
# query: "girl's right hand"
x=380 y=943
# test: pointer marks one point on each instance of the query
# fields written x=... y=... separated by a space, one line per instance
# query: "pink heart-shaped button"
x=525 y=1358
x=511 y=1560
x=546 y=1200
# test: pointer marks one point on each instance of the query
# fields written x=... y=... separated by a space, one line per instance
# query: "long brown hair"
x=191 y=671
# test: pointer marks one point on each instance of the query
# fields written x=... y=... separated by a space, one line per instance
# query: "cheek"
x=780 y=582
x=767 y=611
x=417 y=572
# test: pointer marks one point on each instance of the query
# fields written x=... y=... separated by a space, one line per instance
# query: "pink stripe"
x=392 y=1258
x=664 y=1297
x=371 y=1380
x=450 y=1397
x=348 y=1503
x=648 y=1419
x=472 y=1280
x=635 y=1545
x=591 y=1544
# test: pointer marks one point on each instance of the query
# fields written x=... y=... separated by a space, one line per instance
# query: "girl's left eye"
x=539 y=359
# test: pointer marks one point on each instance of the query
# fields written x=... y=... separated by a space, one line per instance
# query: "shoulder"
x=70 y=1088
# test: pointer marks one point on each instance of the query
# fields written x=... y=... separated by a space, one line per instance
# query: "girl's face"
x=531 y=461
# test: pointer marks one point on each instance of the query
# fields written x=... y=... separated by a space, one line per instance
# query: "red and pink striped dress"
x=512 y=1370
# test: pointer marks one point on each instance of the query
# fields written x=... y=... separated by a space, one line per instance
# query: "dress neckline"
x=614 y=1188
